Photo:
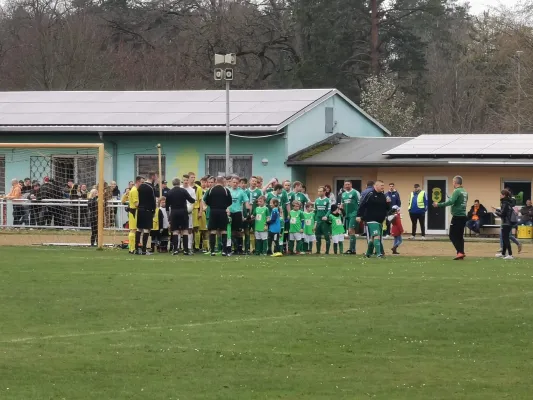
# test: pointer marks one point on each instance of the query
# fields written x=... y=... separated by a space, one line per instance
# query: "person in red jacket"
x=396 y=228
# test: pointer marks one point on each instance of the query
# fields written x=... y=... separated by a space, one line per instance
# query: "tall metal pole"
x=159 y=166
x=227 y=128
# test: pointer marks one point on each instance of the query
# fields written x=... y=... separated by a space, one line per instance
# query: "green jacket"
x=457 y=202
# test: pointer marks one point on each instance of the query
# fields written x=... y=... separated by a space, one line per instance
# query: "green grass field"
x=82 y=324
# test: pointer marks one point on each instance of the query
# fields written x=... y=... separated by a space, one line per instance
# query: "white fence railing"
x=58 y=214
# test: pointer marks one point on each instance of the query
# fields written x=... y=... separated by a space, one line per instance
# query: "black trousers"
x=421 y=218
x=94 y=233
x=506 y=248
x=457 y=233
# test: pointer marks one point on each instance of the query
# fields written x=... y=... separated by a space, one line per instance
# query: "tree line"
x=418 y=66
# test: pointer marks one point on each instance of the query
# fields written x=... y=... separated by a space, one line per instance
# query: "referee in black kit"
x=145 y=212
x=177 y=199
x=218 y=199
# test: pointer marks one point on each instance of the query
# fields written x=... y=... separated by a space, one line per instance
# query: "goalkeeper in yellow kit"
x=133 y=203
x=198 y=219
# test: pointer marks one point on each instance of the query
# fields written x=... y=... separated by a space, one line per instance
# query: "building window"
x=77 y=168
x=521 y=190
x=2 y=175
x=144 y=164
x=239 y=165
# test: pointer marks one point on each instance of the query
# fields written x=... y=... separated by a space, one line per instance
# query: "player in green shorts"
x=373 y=210
x=254 y=193
x=337 y=229
x=260 y=215
x=295 y=228
x=322 y=228
x=309 y=228
x=350 y=204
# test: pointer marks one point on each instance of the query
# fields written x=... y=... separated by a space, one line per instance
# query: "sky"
x=478 y=6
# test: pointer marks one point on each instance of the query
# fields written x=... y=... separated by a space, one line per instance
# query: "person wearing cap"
x=418 y=206
x=164 y=188
x=396 y=228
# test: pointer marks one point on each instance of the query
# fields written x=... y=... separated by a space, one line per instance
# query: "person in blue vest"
x=418 y=206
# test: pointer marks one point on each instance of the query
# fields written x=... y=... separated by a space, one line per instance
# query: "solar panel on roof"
x=256 y=107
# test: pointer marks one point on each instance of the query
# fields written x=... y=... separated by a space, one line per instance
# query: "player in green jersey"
x=350 y=205
x=296 y=217
x=260 y=215
x=337 y=229
x=286 y=205
x=254 y=193
x=457 y=203
x=309 y=228
x=322 y=228
x=276 y=193
x=298 y=195
x=246 y=216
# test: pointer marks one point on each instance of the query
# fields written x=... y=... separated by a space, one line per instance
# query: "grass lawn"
x=82 y=324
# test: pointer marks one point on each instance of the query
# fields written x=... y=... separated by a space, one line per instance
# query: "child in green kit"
x=337 y=229
x=295 y=228
x=309 y=228
x=260 y=215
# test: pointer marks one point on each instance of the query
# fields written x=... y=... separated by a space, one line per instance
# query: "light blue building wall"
x=188 y=152
x=310 y=127
x=183 y=153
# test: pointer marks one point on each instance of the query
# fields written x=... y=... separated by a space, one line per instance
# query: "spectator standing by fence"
x=15 y=194
x=92 y=206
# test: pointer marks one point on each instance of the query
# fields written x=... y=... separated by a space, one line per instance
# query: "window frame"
x=139 y=157
x=75 y=158
x=347 y=178
x=518 y=180
x=232 y=157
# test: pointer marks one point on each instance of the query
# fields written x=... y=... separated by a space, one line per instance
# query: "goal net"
x=56 y=194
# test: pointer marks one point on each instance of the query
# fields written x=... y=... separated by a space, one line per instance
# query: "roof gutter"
x=418 y=164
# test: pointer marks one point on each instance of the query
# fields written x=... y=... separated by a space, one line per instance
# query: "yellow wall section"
x=483 y=183
x=182 y=164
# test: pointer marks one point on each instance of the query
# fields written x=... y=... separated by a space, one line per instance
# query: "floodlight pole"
x=227 y=75
x=227 y=127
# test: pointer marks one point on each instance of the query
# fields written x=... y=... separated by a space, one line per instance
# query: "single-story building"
x=487 y=163
x=267 y=126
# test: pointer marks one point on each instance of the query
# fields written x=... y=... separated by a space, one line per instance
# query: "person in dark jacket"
x=36 y=210
x=476 y=217
x=93 y=216
x=373 y=210
x=505 y=212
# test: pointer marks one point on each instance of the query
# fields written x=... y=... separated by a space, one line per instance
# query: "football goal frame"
x=99 y=147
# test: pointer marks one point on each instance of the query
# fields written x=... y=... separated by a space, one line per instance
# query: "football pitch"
x=83 y=324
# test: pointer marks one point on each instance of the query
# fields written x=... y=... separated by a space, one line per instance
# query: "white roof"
x=198 y=110
x=480 y=145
